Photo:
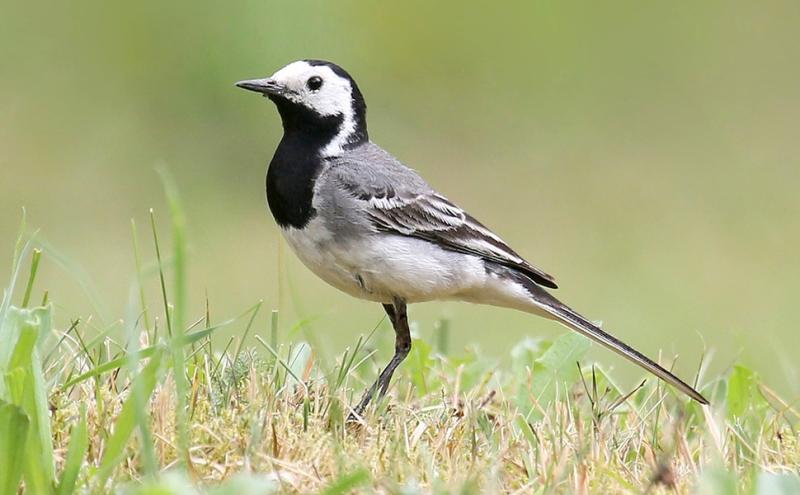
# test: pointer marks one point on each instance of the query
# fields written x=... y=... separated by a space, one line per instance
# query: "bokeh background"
x=644 y=153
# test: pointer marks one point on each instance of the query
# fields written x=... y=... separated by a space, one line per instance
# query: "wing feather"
x=430 y=216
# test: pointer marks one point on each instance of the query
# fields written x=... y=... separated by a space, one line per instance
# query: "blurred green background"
x=645 y=153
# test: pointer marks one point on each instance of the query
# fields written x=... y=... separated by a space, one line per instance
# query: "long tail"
x=575 y=321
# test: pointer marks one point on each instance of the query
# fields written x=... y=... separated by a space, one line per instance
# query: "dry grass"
x=454 y=439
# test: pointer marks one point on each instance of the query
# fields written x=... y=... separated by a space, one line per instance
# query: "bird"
x=371 y=227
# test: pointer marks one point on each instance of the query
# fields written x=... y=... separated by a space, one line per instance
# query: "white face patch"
x=333 y=97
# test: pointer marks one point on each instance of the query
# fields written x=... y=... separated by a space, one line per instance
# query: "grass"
x=137 y=409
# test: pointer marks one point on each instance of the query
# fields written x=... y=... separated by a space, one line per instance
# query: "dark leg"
x=402 y=346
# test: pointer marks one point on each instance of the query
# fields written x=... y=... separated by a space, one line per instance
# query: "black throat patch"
x=297 y=162
x=298 y=159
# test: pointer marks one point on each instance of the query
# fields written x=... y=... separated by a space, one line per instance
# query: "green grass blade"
x=8 y=293
x=143 y=386
x=443 y=336
x=246 y=332
x=347 y=482
x=143 y=353
x=110 y=365
x=246 y=484
x=179 y=312
x=35 y=258
x=273 y=329
x=140 y=279
x=554 y=371
x=717 y=481
x=284 y=364
x=78 y=274
x=27 y=389
x=78 y=446
x=13 y=431
x=161 y=276
x=777 y=484
x=20 y=250
x=742 y=392
x=140 y=402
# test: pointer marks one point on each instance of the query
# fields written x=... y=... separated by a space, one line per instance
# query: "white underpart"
x=387 y=266
x=334 y=97
x=382 y=267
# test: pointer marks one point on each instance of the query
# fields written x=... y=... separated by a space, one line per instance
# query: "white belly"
x=381 y=267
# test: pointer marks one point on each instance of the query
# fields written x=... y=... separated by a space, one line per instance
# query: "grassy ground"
x=151 y=406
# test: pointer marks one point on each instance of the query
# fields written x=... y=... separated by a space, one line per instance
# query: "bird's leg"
x=402 y=345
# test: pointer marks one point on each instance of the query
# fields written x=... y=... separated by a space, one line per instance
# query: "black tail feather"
x=575 y=321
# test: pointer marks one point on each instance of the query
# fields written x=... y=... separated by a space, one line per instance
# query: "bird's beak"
x=263 y=86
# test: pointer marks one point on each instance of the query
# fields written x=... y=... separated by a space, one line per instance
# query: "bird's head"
x=319 y=99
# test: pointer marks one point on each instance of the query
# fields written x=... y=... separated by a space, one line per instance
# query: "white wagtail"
x=373 y=228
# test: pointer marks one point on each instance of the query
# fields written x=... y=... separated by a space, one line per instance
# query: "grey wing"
x=397 y=200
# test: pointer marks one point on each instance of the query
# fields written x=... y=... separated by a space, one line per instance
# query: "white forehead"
x=300 y=71
x=295 y=70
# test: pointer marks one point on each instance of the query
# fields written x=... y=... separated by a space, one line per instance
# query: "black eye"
x=314 y=83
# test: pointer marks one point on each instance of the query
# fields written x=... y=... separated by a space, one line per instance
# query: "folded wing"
x=425 y=214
